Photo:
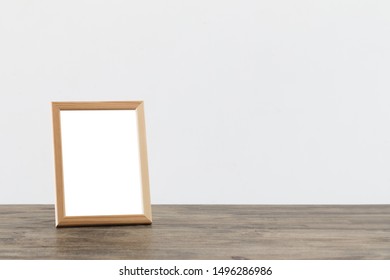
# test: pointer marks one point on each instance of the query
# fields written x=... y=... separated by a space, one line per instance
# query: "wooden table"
x=204 y=232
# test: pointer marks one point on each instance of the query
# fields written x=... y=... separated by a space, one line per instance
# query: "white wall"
x=246 y=101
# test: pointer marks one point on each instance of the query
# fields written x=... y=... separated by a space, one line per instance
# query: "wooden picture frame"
x=80 y=116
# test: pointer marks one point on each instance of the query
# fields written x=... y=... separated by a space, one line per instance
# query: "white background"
x=246 y=101
x=110 y=269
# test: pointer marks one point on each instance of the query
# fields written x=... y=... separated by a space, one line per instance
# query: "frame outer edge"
x=144 y=162
x=59 y=206
x=61 y=219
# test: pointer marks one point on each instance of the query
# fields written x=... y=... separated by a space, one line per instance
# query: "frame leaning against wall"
x=61 y=218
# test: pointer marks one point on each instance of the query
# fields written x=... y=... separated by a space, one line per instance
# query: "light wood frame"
x=61 y=219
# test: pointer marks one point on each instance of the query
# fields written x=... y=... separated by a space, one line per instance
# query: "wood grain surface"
x=204 y=232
